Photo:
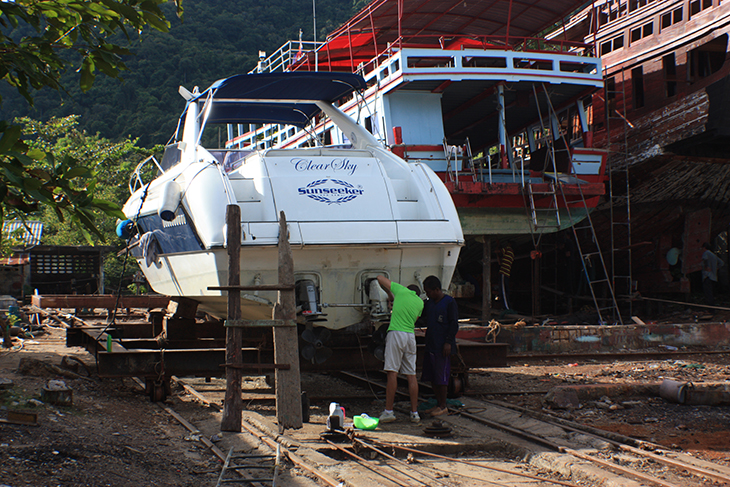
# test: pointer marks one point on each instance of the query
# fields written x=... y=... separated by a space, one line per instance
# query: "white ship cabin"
x=477 y=103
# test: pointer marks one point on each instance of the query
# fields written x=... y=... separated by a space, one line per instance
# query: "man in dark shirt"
x=442 y=322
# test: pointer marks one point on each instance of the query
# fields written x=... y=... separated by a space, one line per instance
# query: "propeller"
x=314 y=348
x=377 y=343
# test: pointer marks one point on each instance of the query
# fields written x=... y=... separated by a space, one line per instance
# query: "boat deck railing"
x=309 y=55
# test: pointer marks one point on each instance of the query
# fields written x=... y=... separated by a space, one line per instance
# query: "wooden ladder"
x=251 y=468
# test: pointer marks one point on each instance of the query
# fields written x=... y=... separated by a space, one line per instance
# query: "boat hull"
x=342 y=274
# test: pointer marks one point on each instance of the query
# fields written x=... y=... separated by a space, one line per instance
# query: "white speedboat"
x=353 y=211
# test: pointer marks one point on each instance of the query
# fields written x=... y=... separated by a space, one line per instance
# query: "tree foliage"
x=39 y=41
x=109 y=164
x=219 y=38
x=106 y=163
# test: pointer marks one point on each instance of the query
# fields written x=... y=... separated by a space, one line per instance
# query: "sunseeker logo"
x=335 y=165
x=335 y=192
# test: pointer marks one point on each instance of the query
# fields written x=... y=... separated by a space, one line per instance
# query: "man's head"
x=706 y=246
x=432 y=287
x=415 y=289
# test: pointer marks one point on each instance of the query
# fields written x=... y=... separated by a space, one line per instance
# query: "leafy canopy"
x=39 y=40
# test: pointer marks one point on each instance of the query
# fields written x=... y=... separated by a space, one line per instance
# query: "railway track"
x=646 y=462
x=361 y=461
x=596 y=458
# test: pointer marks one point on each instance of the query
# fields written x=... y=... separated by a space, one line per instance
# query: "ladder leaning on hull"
x=591 y=257
x=542 y=219
x=587 y=255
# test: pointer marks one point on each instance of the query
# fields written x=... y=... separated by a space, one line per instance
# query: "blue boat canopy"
x=286 y=98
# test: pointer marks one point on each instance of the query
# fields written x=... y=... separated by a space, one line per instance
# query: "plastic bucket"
x=365 y=422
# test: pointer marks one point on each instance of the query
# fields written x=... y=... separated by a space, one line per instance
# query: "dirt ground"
x=701 y=430
x=111 y=434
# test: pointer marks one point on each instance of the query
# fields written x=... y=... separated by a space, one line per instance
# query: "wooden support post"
x=486 y=279
x=7 y=339
x=233 y=405
x=536 y=284
x=286 y=344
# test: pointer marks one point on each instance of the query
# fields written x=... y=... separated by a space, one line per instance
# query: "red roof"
x=445 y=23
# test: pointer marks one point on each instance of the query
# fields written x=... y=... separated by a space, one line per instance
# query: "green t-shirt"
x=407 y=307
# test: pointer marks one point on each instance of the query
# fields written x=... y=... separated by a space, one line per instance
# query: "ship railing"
x=293 y=55
x=476 y=44
x=146 y=170
x=287 y=57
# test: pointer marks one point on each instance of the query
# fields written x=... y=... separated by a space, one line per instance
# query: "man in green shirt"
x=400 y=345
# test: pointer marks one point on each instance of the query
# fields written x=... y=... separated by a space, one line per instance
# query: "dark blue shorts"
x=436 y=368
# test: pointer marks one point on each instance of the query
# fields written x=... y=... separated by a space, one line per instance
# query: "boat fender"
x=125 y=229
x=171 y=194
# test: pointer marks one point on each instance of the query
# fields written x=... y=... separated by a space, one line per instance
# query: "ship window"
x=697 y=6
x=577 y=67
x=171 y=156
x=671 y=18
x=637 y=79
x=636 y=4
x=175 y=236
x=670 y=74
x=612 y=44
x=484 y=62
x=611 y=94
x=542 y=64
x=640 y=32
x=707 y=58
x=430 y=62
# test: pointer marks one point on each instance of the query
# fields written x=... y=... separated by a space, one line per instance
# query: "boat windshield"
x=171 y=156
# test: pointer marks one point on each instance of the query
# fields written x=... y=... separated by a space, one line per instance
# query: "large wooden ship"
x=663 y=117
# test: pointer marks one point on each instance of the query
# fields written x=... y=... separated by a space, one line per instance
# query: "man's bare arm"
x=385 y=284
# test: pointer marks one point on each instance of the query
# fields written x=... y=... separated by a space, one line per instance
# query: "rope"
x=493 y=329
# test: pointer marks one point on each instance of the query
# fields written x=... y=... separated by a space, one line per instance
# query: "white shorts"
x=400 y=352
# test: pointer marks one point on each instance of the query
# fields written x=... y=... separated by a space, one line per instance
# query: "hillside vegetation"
x=216 y=39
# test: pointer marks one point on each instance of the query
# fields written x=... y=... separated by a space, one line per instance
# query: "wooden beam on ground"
x=106 y=301
x=232 y=405
x=286 y=343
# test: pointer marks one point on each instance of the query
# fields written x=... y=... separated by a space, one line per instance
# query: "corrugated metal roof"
x=29 y=232
x=386 y=19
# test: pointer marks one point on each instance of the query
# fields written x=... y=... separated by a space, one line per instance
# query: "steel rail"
x=398 y=460
x=618 y=443
x=378 y=470
x=209 y=444
x=562 y=449
x=293 y=457
x=473 y=464
x=261 y=436
x=552 y=445
x=612 y=439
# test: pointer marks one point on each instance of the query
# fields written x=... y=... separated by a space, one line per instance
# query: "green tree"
x=39 y=40
x=109 y=163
